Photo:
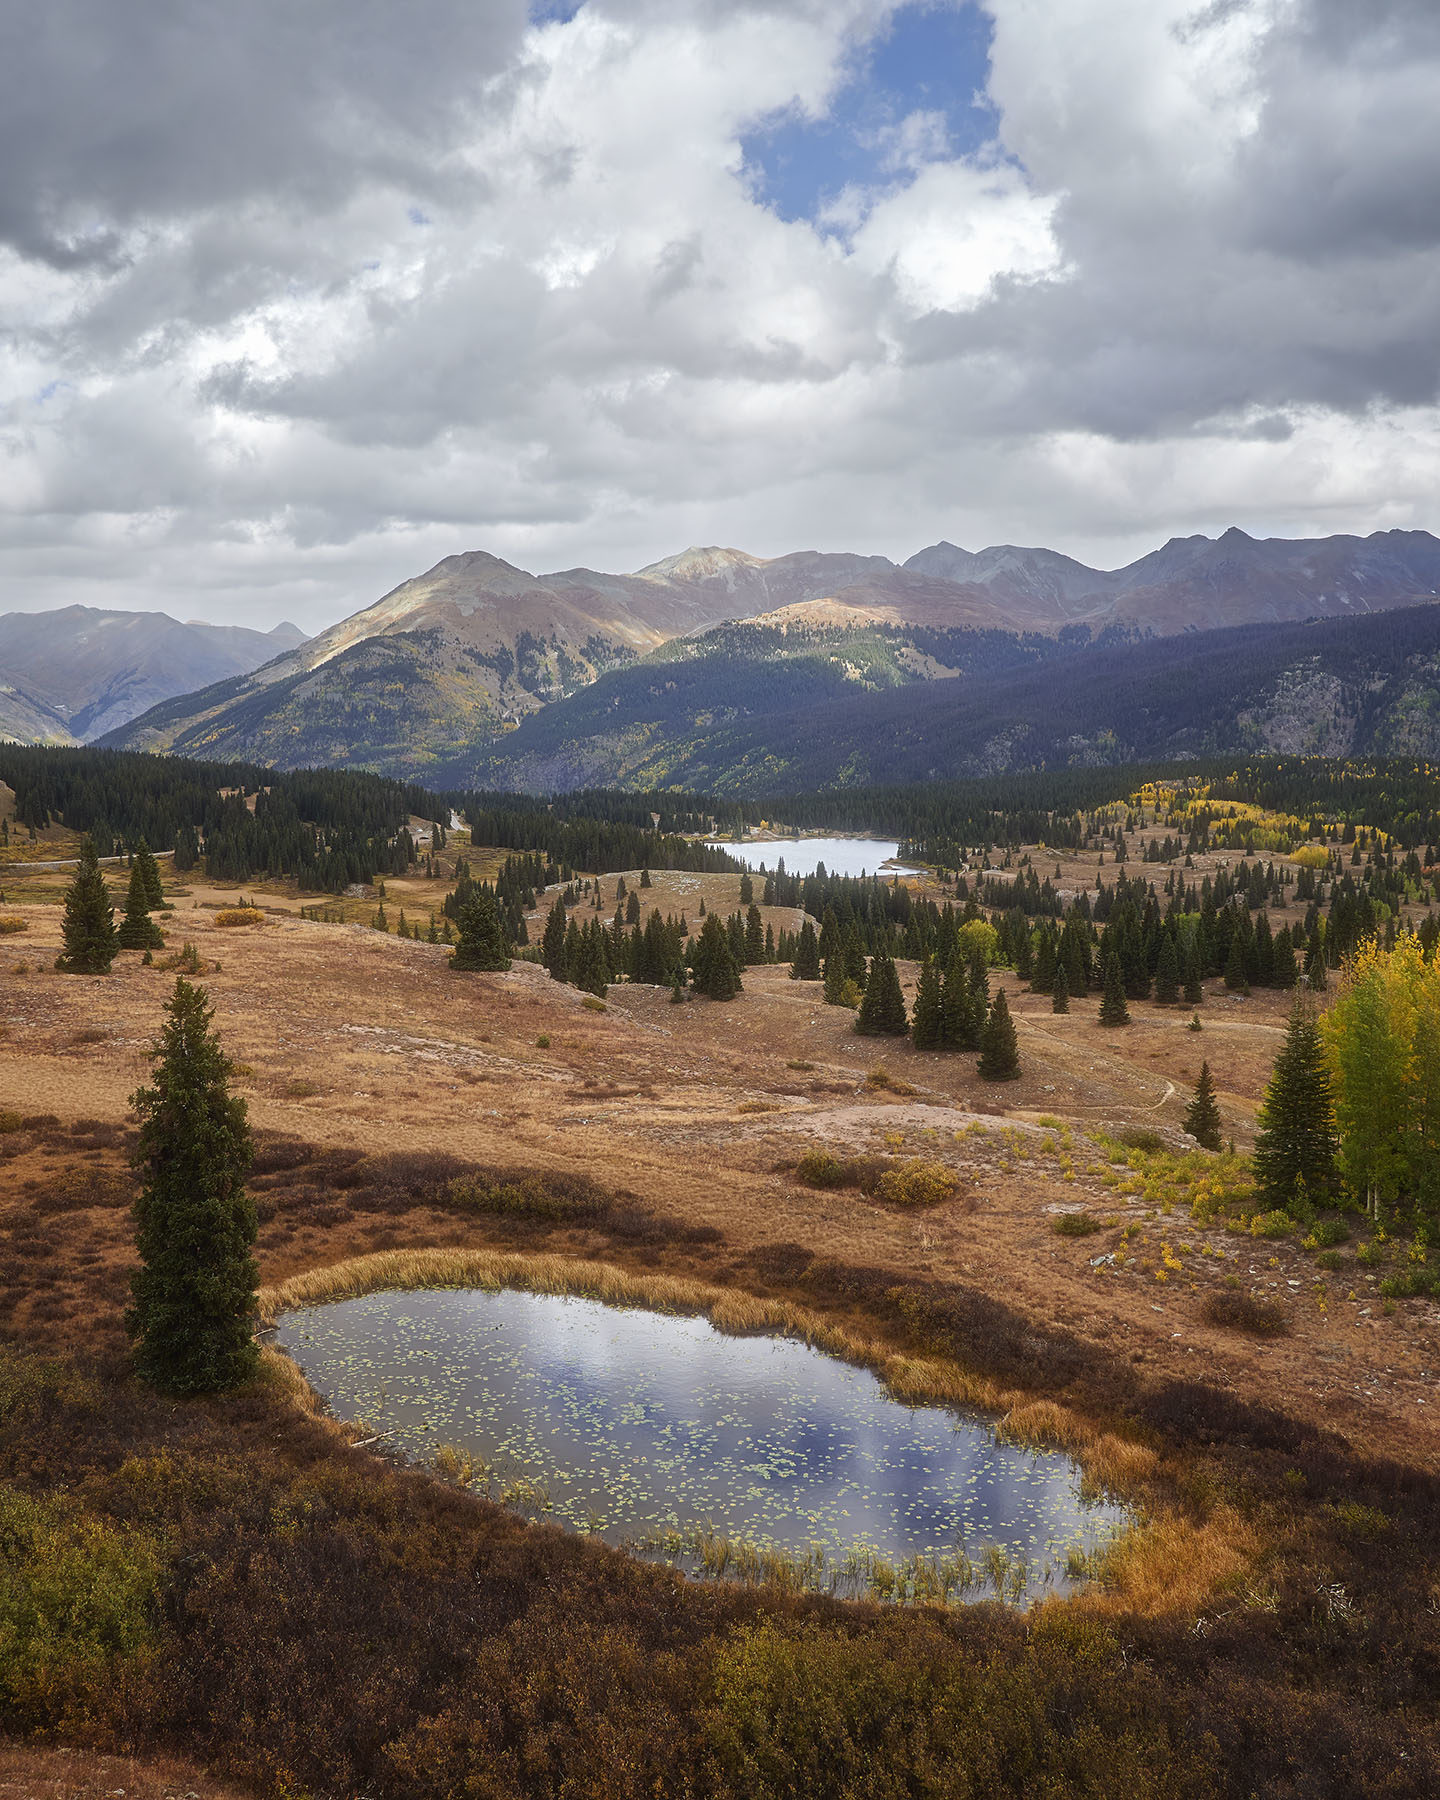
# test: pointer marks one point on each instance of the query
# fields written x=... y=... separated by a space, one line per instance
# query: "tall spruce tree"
x=999 y=1046
x=882 y=1011
x=1202 y=1116
x=1194 y=994
x=88 y=928
x=1236 y=978
x=138 y=931
x=552 y=944
x=806 y=966
x=963 y=1019
x=480 y=936
x=1060 y=993
x=754 y=936
x=194 y=1294
x=927 y=1027
x=144 y=860
x=1295 y=1147
x=715 y=971
x=1113 y=1010
x=1167 y=973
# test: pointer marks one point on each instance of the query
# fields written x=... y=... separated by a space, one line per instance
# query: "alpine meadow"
x=720 y=1173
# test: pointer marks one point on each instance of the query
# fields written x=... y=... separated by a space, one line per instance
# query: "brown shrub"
x=239 y=915
x=1244 y=1312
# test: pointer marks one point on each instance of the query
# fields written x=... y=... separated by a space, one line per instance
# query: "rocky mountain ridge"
x=455 y=659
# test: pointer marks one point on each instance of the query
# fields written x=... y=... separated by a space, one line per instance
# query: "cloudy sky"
x=298 y=296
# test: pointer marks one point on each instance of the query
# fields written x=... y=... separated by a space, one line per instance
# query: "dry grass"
x=1169 y=1564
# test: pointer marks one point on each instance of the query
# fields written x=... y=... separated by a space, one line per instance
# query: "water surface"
x=840 y=855
x=654 y=1430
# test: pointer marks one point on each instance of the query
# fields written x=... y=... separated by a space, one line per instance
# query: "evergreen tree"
x=1060 y=993
x=1284 y=970
x=1193 y=992
x=882 y=1011
x=144 y=860
x=806 y=966
x=927 y=1027
x=1167 y=973
x=552 y=944
x=1202 y=1116
x=716 y=974
x=999 y=1046
x=1295 y=1147
x=963 y=1020
x=1236 y=978
x=1043 y=970
x=835 y=980
x=138 y=931
x=747 y=890
x=480 y=935
x=754 y=936
x=1113 y=1010
x=194 y=1294
x=89 y=924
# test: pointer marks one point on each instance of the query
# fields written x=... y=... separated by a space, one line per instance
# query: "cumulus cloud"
x=296 y=300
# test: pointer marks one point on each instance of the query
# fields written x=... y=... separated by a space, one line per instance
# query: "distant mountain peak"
x=701 y=562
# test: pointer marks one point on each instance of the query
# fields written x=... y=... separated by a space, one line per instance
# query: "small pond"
x=663 y=1434
x=801 y=856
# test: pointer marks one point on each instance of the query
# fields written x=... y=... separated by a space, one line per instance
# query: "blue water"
x=841 y=856
x=638 y=1424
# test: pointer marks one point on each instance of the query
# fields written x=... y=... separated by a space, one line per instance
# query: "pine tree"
x=927 y=1027
x=962 y=1019
x=882 y=1011
x=1113 y=1010
x=138 y=931
x=1202 y=1116
x=754 y=936
x=1060 y=993
x=1295 y=1147
x=806 y=966
x=194 y=1294
x=552 y=944
x=89 y=924
x=716 y=974
x=1235 y=977
x=1194 y=994
x=835 y=980
x=144 y=860
x=480 y=942
x=1167 y=973
x=999 y=1046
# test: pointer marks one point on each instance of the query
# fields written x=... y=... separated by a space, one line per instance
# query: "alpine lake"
x=729 y=1457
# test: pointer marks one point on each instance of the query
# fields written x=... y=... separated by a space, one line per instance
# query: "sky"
x=296 y=300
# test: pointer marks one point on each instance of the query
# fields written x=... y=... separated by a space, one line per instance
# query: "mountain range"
x=480 y=671
x=71 y=675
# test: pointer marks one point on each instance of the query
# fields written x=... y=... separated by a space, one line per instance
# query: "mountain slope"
x=446 y=665
x=69 y=676
x=1332 y=687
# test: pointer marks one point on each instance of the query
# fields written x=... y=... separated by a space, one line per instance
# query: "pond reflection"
x=664 y=1434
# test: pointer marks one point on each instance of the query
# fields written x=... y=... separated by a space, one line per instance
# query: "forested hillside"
x=742 y=716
